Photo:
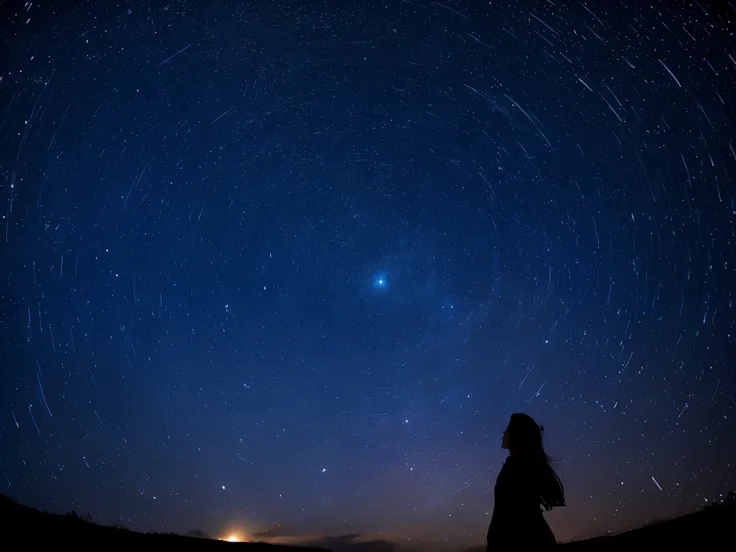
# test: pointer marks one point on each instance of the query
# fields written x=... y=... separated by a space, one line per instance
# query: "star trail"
x=284 y=269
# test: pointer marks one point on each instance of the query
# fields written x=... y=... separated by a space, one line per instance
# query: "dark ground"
x=707 y=529
x=32 y=526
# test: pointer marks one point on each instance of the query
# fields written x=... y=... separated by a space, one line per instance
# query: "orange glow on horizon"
x=235 y=536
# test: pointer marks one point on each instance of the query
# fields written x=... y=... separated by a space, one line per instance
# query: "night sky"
x=286 y=268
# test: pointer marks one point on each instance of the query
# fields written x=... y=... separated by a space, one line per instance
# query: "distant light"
x=233 y=538
x=223 y=487
x=380 y=282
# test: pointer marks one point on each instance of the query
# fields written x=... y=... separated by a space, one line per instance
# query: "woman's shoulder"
x=514 y=465
x=517 y=461
x=518 y=465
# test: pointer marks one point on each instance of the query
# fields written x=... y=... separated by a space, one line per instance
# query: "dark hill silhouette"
x=20 y=523
x=705 y=530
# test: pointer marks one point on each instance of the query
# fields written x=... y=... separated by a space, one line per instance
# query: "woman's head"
x=523 y=436
x=523 y=439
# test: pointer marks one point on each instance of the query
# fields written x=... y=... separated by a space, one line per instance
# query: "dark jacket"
x=517 y=522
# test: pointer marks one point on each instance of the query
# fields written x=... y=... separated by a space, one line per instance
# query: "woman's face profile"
x=505 y=439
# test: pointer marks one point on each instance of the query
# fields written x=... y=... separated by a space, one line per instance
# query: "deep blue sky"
x=289 y=266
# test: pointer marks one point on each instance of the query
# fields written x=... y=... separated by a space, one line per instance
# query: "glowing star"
x=380 y=282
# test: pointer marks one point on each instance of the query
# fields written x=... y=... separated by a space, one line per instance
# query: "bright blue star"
x=380 y=282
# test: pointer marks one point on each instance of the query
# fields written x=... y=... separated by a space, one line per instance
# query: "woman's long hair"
x=525 y=438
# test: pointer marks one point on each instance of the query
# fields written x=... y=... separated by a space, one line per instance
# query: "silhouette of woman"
x=526 y=481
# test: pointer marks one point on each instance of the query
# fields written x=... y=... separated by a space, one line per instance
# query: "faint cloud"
x=336 y=543
x=349 y=538
x=347 y=543
x=277 y=531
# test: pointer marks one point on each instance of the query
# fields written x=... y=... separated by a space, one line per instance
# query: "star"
x=380 y=282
